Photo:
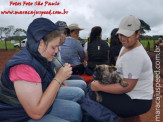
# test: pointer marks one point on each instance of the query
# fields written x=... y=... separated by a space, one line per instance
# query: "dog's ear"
x=97 y=66
x=112 y=68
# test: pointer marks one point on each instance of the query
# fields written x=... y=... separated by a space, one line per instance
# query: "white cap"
x=128 y=26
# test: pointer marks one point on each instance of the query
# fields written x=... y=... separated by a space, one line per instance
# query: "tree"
x=144 y=26
x=8 y=30
x=1 y=32
x=18 y=31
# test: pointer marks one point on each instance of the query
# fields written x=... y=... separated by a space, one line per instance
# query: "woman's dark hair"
x=68 y=31
x=114 y=38
x=137 y=31
x=95 y=33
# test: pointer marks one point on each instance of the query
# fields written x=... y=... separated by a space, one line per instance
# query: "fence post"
x=148 y=46
x=6 y=44
x=20 y=42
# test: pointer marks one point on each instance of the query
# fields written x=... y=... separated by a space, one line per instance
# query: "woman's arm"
x=86 y=56
x=115 y=58
x=114 y=88
x=80 y=51
x=32 y=98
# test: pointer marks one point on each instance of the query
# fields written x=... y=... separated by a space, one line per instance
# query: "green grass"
x=9 y=45
x=145 y=43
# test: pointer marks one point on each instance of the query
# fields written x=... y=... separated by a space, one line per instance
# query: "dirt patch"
x=5 y=56
x=155 y=114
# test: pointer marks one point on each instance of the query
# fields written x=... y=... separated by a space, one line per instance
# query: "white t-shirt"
x=85 y=47
x=136 y=64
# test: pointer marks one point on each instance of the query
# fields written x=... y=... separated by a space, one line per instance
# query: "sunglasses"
x=64 y=32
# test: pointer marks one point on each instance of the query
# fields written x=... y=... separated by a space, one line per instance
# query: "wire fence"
x=13 y=44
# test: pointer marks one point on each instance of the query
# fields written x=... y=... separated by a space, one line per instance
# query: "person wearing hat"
x=73 y=80
x=135 y=67
x=72 y=51
x=30 y=90
x=63 y=29
x=74 y=31
x=160 y=42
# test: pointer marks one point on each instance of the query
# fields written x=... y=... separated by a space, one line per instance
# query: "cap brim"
x=126 y=33
x=80 y=29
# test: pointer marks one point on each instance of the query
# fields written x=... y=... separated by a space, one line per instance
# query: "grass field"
x=11 y=45
x=145 y=43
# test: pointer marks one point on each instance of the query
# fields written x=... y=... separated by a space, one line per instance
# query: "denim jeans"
x=65 y=107
x=76 y=83
x=62 y=111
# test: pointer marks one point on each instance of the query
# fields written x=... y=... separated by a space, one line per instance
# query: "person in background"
x=76 y=81
x=82 y=42
x=63 y=29
x=108 y=42
x=115 y=47
x=160 y=42
x=30 y=90
x=96 y=50
x=135 y=67
x=72 y=51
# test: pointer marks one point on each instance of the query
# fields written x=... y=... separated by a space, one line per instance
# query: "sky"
x=86 y=13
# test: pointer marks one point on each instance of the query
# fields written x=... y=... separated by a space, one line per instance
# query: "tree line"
x=12 y=33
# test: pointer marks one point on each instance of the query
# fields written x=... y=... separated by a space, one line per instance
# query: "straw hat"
x=74 y=27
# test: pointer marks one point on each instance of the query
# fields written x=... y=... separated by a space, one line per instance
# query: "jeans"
x=75 y=77
x=65 y=107
x=76 y=83
x=62 y=111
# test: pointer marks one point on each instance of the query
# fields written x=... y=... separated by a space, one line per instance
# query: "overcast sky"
x=88 y=13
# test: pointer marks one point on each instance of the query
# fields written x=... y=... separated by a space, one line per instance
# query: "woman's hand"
x=95 y=85
x=64 y=72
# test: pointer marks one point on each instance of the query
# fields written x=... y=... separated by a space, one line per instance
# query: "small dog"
x=106 y=74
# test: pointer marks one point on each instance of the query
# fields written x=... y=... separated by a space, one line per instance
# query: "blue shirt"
x=72 y=52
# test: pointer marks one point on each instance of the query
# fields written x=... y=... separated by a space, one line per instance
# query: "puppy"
x=106 y=74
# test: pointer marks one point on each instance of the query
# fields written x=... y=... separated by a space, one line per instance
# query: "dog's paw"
x=98 y=97
x=124 y=83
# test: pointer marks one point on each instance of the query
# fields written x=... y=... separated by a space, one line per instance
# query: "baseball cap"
x=129 y=25
x=61 y=25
